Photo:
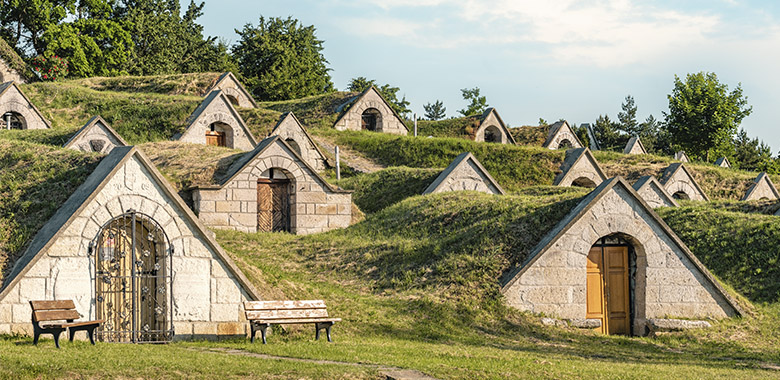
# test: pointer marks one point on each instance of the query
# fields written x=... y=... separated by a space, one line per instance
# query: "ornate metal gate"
x=133 y=280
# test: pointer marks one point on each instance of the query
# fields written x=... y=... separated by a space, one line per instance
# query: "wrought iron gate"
x=133 y=280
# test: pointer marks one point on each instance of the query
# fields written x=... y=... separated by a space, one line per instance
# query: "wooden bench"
x=262 y=314
x=58 y=316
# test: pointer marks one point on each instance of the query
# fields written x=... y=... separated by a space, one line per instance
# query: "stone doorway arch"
x=133 y=280
x=219 y=134
x=584 y=182
x=13 y=120
x=565 y=144
x=275 y=192
x=493 y=134
x=681 y=195
x=614 y=283
x=371 y=120
x=294 y=145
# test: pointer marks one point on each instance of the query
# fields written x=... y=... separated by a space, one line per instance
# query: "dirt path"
x=391 y=373
x=349 y=157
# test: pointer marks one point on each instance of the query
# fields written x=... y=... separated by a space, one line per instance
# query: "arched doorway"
x=133 y=281
x=13 y=120
x=681 y=195
x=217 y=134
x=584 y=182
x=371 y=120
x=233 y=100
x=97 y=145
x=492 y=134
x=294 y=145
x=565 y=144
x=611 y=269
x=273 y=201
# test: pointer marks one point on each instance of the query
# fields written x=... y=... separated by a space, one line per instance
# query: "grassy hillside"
x=740 y=247
x=461 y=127
x=515 y=167
x=375 y=191
x=137 y=117
x=36 y=181
x=194 y=84
x=318 y=111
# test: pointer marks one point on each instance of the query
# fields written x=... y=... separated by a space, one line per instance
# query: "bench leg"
x=91 y=333
x=36 y=335
x=56 y=335
x=263 y=328
x=322 y=325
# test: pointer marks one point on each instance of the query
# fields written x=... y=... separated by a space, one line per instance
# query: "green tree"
x=435 y=111
x=627 y=117
x=608 y=135
x=704 y=116
x=542 y=121
x=282 y=59
x=24 y=22
x=360 y=84
x=477 y=103
x=750 y=154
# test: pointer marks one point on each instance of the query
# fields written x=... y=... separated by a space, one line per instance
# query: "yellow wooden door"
x=607 y=288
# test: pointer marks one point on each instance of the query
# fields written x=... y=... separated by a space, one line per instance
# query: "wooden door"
x=215 y=138
x=273 y=205
x=608 y=289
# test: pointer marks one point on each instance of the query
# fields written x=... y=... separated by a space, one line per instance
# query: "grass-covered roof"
x=14 y=61
x=36 y=180
x=194 y=84
x=528 y=135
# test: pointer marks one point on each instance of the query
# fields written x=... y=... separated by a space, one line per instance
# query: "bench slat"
x=55 y=315
x=52 y=305
x=273 y=305
x=84 y=323
x=286 y=314
x=292 y=321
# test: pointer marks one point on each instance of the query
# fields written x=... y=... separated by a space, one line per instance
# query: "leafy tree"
x=435 y=111
x=24 y=22
x=360 y=84
x=282 y=59
x=751 y=154
x=543 y=122
x=627 y=117
x=704 y=116
x=477 y=104
x=582 y=134
x=608 y=135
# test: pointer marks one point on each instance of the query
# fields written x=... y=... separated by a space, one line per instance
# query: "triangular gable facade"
x=634 y=146
x=370 y=111
x=679 y=182
x=561 y=135
x=216 y=122
x=580 y=168
x=95 y=136
x=25 y=114
x=292 y=131
x=273 y=171
x=654 y=193
x=465 y=173
x=667 y=278
x=12 y=67
x=762 y=188
x=492 y=128
x=681 y=156
x=723 y=162
x=204 y=288
x=234 y=90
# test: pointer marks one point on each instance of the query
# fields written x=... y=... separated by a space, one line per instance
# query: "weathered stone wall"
x=634 y=149
x=231 y=89
x=467 y=176
x=681 y=182
x=667 y=282
x=761 y=189
x=313 y=207
x=654 y=196
x=207 y=297
x=7 y=74
x=218 y=111
x=491 y=120
x=564 y=133
x=13 y=101
x=353 y=118
x=97 y=133
x=289 y=129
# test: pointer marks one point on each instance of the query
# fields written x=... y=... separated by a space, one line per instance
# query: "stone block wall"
x=564 y=133
x=219 y=110
x=313 y=207
x=207 y=297
x=353 y=118
x=491 y=120
x=12 y=100
x=98 y=133
x=667 y=283
x=308 y=151
x=467 y=176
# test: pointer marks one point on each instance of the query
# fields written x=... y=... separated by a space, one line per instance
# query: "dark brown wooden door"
x=215 y=138
x=273 y=205
x=607 y=288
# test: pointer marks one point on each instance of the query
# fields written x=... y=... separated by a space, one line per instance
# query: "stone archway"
x=493 y=134
x=219 y=134
x=584 y=182
x=371 y=120
x=13 y=120
x=565 y=144
x=681 y=195
x=294 y=145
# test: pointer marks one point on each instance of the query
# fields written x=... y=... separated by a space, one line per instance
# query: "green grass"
x=318 y=111
x=460 y=127
x=36 y=181
x=741 y=248
x=194 y=84
x=375 y=191
x=137 y=117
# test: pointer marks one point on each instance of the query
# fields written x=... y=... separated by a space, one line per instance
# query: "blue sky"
x=551 y=59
